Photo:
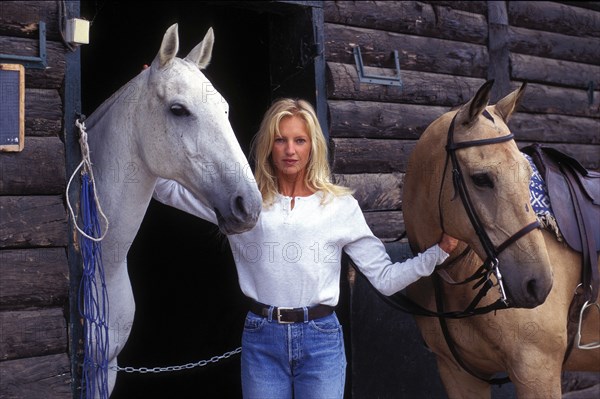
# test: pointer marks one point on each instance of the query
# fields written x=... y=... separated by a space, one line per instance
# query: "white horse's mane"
x=107 y=104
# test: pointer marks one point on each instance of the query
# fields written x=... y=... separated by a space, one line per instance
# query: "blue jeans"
x=299 y=360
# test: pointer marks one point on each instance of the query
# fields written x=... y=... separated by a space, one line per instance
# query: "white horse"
x=169 y=122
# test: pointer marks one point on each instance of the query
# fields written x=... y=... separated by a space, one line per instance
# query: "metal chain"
x=201 y=363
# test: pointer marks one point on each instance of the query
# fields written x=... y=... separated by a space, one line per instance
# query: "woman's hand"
x=448 y=243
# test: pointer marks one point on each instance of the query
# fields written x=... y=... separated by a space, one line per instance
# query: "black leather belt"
x=291 y=315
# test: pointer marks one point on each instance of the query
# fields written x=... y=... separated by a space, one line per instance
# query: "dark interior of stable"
x=188 y=303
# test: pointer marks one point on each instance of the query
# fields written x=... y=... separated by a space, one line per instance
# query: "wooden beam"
x=34 y=221
x=370 y=156
x=546 y=99
x=33 y=277
x=380 y=120
x=375 y=191
x=387 y=226
x=29 y=333
x=554 y=45
x=499 y=65
x=412 y=17
x=43 y=109
x=554 y=128
x=551 y=16
x=38 y=169
x=49 y=78
x=415 y=52
x=554 y=72
x=20 y=19
x=417 y=87
x=38 y=377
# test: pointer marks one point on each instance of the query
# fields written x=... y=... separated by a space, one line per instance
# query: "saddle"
x=575 y=197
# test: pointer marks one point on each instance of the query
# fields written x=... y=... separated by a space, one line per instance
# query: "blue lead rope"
x=93 y=300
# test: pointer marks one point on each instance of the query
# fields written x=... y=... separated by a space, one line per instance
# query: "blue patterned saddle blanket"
x=540 y=201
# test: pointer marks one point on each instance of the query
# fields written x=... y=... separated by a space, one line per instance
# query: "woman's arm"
x=370 y=256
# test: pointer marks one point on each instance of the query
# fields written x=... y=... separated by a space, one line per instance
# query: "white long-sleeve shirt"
x=292 y=257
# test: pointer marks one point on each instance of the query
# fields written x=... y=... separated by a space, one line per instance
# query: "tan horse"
x=528 y=344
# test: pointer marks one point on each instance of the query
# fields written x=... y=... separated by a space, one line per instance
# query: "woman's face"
x=291 y=149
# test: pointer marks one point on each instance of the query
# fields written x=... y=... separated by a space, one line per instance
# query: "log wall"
x=447 y=50
x=34 y=273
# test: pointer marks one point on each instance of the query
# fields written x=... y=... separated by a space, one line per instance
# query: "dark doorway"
x=189 y=306
x=188 y=303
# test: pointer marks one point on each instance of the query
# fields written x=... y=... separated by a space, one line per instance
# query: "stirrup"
x=591 y=345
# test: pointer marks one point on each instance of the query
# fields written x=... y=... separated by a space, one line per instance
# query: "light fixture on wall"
x=77 y=31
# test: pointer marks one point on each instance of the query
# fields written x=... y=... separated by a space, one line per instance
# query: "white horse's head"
x=189 y=137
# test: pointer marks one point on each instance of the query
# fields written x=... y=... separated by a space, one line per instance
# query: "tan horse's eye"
x=482 y=180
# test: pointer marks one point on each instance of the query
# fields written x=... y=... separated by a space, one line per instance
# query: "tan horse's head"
x=496 y=178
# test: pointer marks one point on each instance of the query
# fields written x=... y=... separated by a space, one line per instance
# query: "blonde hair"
x=318 y=174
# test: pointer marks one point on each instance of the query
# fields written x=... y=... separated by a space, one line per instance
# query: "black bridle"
x=491 y=263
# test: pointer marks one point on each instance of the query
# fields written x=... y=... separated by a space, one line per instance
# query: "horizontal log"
x=33 y=278
x=436 y=89
x=417 y=87
x=380 y=120
x=412 y=17
x=375 y=192
x=415 y=52
x=478 y=7
x=590 y=5
x=34 y=221
x=21 y=18
x=29 y=333
x=555 y=72
x=554 y=17
x=43 y=110
x=587 y=155
x=555 y=128
x=50 y=78
x=554 y=45
x=387 y=226
x=38 y=377
x=545 y=99
x=370 y=156
x=38 y=169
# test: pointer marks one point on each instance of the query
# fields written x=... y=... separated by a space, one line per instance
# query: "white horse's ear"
x=168 y=47
x=506 y=106
x=202 y=53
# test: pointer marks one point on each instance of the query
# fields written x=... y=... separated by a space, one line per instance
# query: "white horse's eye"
x=179 y=110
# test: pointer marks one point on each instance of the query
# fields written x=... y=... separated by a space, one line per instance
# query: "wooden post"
x=499 y=67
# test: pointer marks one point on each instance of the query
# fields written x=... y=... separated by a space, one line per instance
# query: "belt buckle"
x=278 y=315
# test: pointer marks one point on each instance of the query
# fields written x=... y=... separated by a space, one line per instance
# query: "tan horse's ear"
x=168 y=48
x=506 y=106
x=202 y=53
x=469 y=112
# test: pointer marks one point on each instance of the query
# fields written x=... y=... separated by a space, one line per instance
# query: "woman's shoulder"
x=341 y=200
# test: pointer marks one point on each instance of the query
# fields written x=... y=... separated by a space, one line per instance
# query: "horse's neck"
x=123 y=183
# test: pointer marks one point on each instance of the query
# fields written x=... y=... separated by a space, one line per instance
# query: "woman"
x=289 y=264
